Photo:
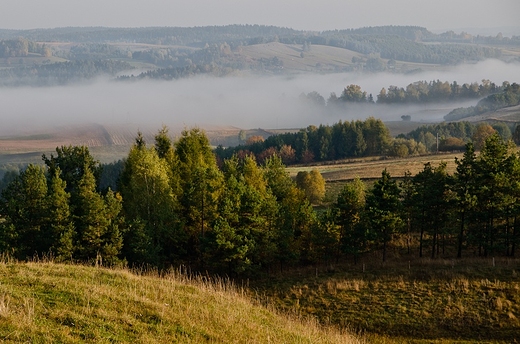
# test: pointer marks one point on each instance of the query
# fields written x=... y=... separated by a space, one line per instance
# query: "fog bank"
x=245 y=102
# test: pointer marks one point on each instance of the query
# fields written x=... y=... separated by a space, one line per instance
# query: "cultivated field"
x=371 y=168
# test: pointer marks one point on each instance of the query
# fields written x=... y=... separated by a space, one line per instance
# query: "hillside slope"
x=508 y=114
x=48 y=303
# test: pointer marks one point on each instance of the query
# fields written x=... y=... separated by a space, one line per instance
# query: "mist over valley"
x=245 y=102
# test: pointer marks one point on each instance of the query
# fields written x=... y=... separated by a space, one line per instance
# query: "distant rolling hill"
x=508 y=114
x=318 y=58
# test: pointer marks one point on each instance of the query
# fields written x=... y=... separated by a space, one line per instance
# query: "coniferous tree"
x=61 y=226
x=154 y=234
x=229 y=243
x=464 y=186
x=431 y=199
x=200 y=184
x=493 y=174
x=349 y=208
x=72 y=162
x=24 y=211
x=97 y=239
x=383 y=210
x=294 y=218
x=408 y=195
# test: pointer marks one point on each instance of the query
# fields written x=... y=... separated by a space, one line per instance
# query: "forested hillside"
x=61 y=73
x=387 y=48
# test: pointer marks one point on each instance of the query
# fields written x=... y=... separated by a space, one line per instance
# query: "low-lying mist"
x=246 y=102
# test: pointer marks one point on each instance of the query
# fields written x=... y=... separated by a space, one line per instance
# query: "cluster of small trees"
x=59 y=210
x=339 y=141
x=419 y=92
x=422 y=92
x=371 y=137
x=476 y=209
x=453 y=136
x=436 y=91
x=175 y=73
x=21 y=47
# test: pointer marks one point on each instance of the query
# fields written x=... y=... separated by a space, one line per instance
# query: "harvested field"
x=371 y=169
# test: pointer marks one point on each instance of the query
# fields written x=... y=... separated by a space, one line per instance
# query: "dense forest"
x=173 y=204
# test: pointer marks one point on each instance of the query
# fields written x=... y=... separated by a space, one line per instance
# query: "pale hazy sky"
x=297 y=14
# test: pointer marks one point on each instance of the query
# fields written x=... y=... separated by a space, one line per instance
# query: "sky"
x=436 y=15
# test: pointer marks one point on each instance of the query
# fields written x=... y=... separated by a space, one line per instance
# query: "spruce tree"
x=349 y=208
x=383 y=210
x=61 y=227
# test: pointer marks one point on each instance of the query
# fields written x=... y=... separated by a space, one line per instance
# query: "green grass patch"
x=49 y=303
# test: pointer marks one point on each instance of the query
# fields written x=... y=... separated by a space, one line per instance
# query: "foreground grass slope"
x=49 y=303
x=422 y=301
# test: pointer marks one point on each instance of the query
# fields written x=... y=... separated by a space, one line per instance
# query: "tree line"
x=339 y=141
x=474 y=211
x=174 y=205
x=346 y=140
x=61 y=73
x=453 y=136
x=352 y=137
x=21 y=47
x=419 y=92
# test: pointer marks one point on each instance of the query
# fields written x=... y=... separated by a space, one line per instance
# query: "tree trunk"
x=461 y=235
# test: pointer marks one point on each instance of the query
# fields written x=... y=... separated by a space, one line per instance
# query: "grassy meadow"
x=440 y=301
x=53 y=303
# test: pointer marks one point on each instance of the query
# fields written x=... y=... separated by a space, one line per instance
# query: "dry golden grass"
x=48 y=303
x=371 y=168
x=422 y=301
